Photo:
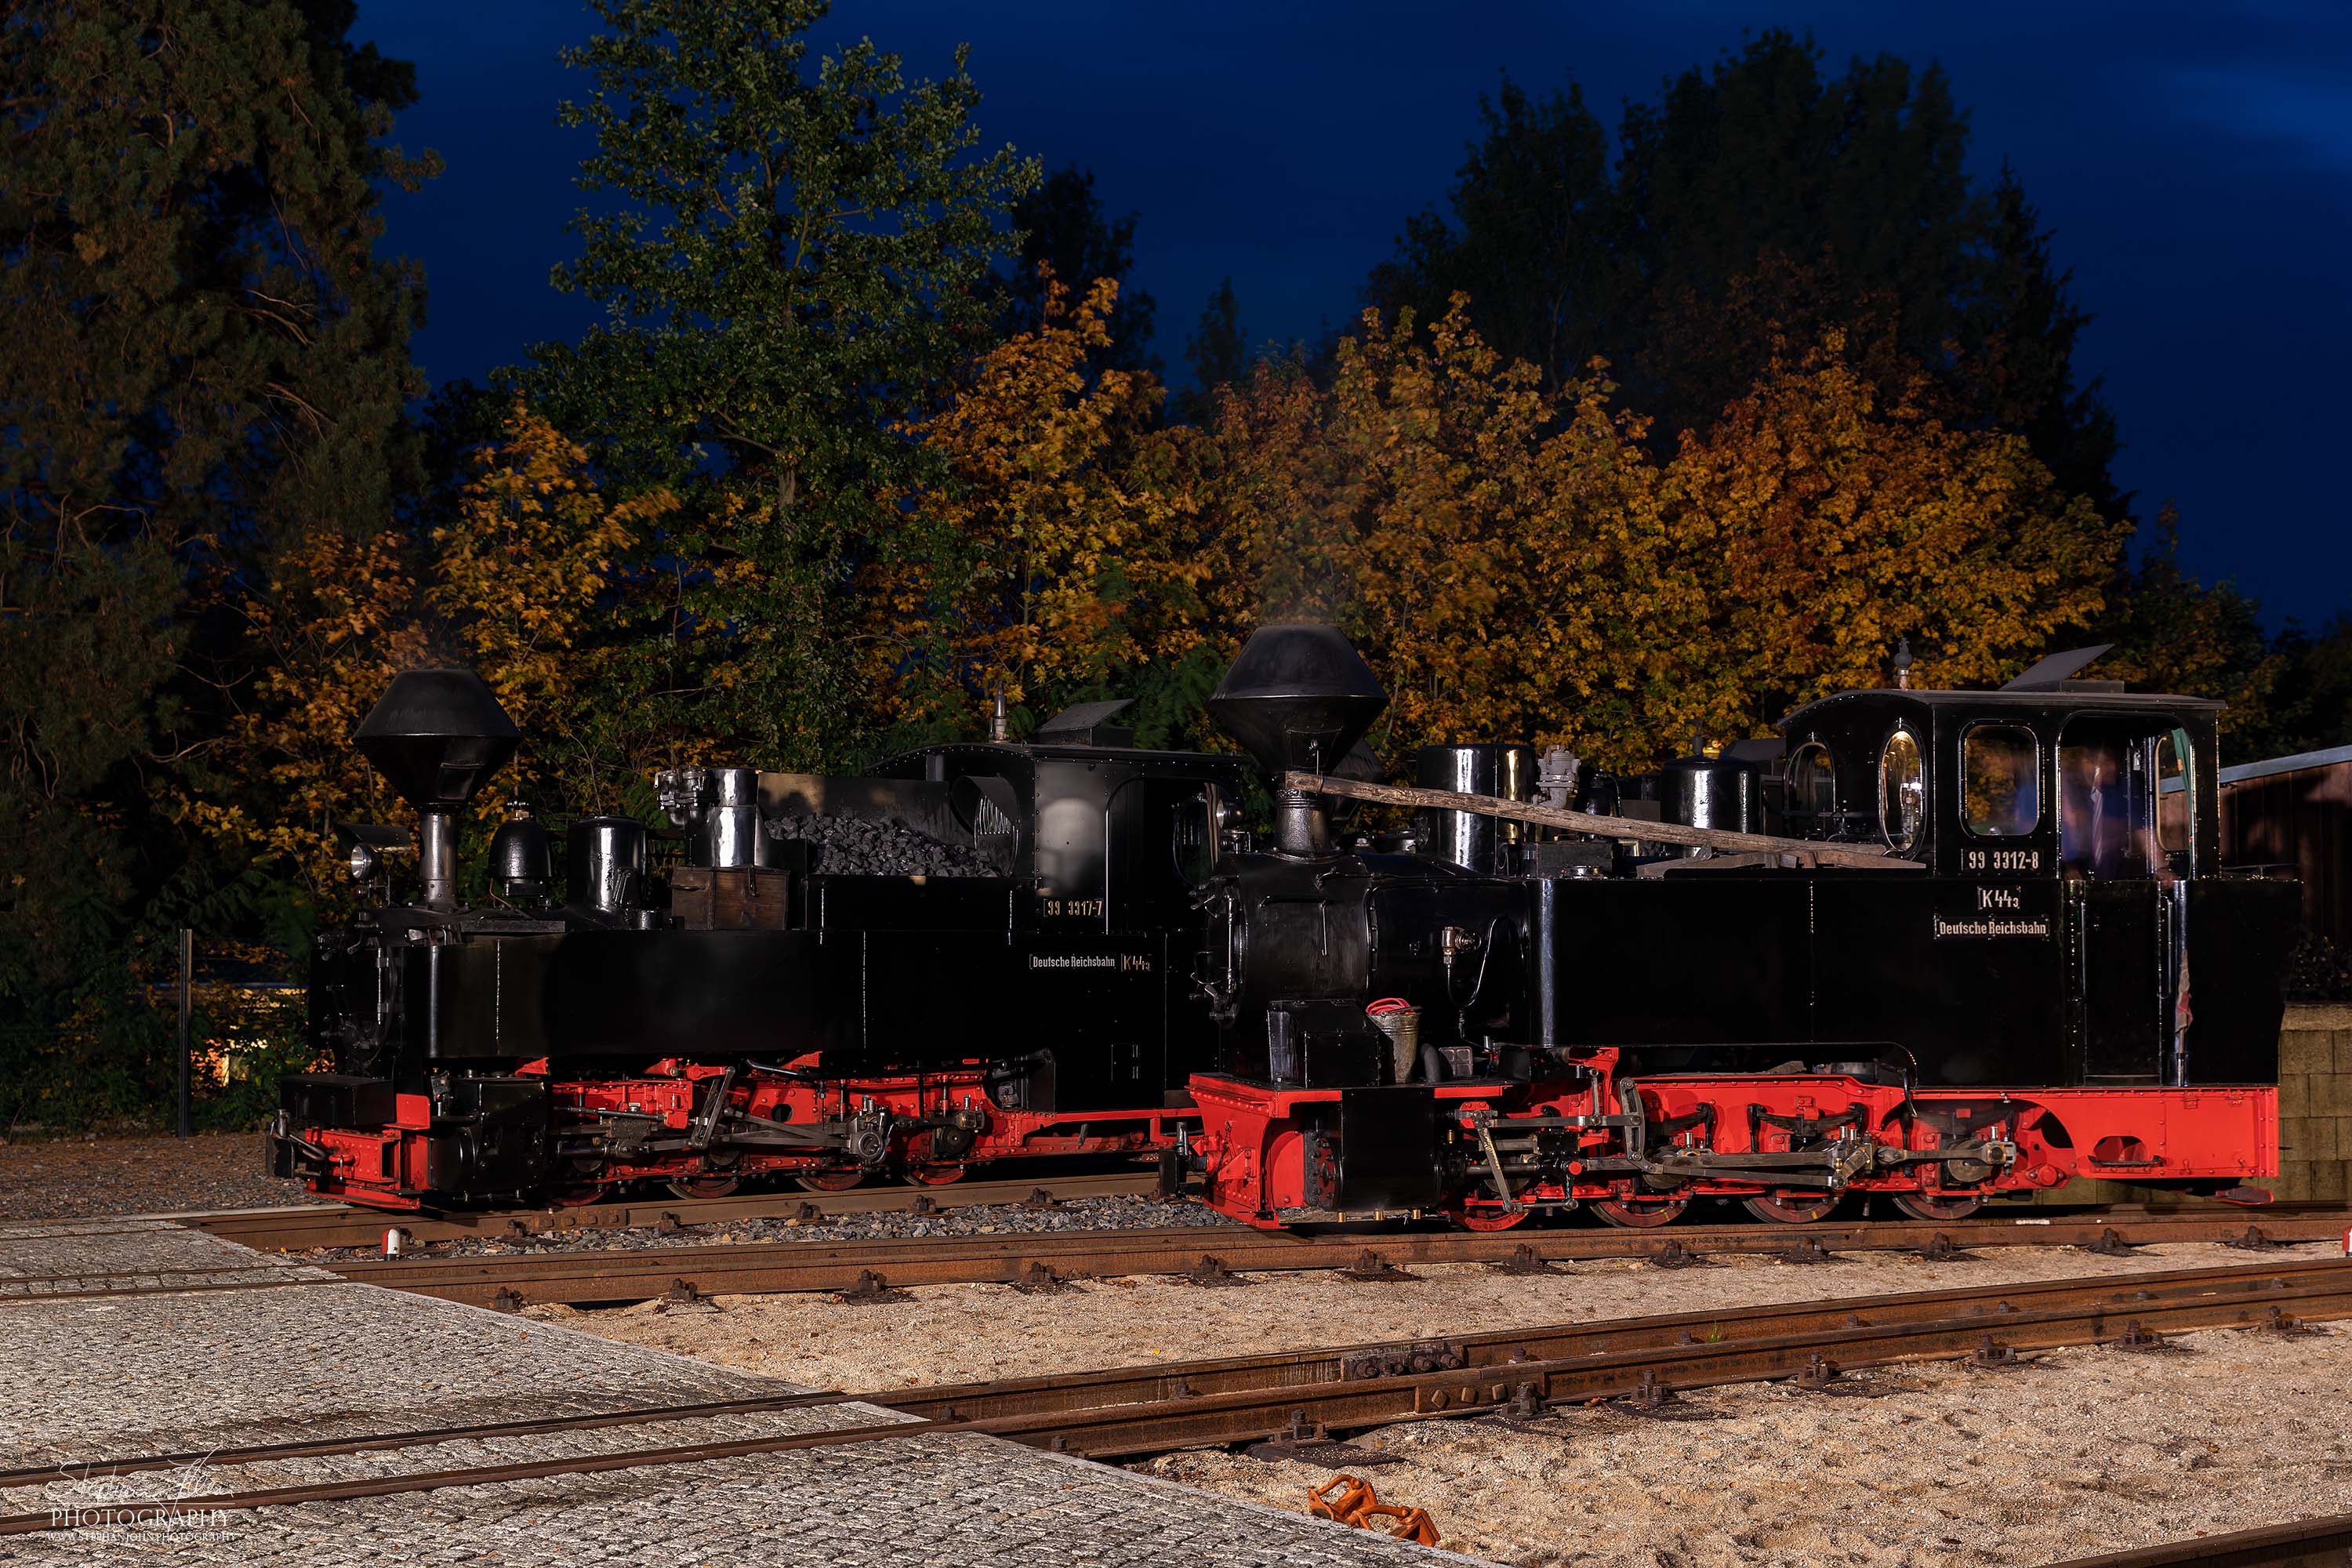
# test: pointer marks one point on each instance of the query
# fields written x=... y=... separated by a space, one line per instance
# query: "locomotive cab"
x=2070 y=843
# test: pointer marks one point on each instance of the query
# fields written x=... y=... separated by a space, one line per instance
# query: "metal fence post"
x=187 y=981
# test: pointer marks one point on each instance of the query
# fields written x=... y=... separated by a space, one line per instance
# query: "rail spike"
x=1674 y=1255
x=1211 y=1272
x=2110 y=1244
x=1371 y=1268
x=871 y=1292
x=1525 y=1260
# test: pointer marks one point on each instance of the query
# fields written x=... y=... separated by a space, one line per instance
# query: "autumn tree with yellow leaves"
x=522 y=584
x=1821 y=518
x=1065 y=549
x=1515 y=562
x=1483 y=541
x=535 y=579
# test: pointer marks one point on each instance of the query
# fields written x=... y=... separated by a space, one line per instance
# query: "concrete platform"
x=189 y=1371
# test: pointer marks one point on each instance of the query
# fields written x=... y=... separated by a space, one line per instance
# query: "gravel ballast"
x=83 y=1178
x=982 y=1219
x=960 y=1334
x=2077 y=1452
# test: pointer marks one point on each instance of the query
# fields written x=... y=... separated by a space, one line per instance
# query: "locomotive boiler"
x=1936 y=946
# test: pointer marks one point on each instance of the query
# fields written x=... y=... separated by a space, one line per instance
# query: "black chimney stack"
x=438 y=735
x=1299 y=696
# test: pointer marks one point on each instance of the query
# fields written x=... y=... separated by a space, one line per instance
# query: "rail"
x=2324 y=1542
x=780 y=1267
x=580 y=1276
x=339 y=1225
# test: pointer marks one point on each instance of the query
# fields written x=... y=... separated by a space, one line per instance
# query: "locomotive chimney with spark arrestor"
x=436 y=736
x=1297 y=697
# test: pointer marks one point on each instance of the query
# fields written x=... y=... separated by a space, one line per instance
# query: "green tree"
x=1753 y=208
x=2310 y=707
x=205 y=359
x=1533 y=239
x=1218 y=353
x=2173 y=633
x=1065 y=229
x=794 y=261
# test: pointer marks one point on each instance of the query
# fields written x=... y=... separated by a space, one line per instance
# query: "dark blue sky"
x=2195 y=162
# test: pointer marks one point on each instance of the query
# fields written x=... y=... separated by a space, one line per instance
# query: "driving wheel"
x=1792 y=1207
x=1640 y=1214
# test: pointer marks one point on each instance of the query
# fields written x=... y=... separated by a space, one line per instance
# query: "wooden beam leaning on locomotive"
x=1962 y=969
x=1959 y=967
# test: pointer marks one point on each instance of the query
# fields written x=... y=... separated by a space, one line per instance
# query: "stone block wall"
x=2316 y=1104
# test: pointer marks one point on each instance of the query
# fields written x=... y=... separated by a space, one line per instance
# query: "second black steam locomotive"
x=1963 y=967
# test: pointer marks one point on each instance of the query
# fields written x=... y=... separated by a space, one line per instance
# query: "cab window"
x=2000 y=777
x=2107 y=800
x=1902 y=791
x=1192 y=843
x=1812 y=786
x=2176 y=797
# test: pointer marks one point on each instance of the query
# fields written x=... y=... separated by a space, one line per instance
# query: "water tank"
x=1503 y=768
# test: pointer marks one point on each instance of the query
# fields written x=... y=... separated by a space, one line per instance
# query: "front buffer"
x=1365 y=1151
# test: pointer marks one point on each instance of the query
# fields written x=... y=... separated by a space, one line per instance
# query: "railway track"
x=1519 y=1374
x=771 y=1268
x=585 y=1276
x=341 y=1225
x=295 y=1229
x=2323 y=1542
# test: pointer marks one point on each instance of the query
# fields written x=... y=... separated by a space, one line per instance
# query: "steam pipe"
x=438 y=857
x=1547 y=962
x=1300 y=825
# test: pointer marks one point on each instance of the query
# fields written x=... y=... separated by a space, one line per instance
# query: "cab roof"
x=2082 y=697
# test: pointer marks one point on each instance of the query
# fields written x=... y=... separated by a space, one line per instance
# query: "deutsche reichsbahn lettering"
x=1988 y=927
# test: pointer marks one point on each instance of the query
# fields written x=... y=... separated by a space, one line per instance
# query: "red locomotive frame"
x=388 y=1168
x=1258 y=1152
x=1252 y=1143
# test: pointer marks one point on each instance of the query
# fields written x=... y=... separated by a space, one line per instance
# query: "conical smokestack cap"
x=438 y=735
x=1299 y=696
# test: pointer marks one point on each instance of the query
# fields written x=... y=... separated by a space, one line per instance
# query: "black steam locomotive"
x=1961 y=966
x=977 y=953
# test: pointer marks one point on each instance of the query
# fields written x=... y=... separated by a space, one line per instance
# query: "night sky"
x=2195 y=162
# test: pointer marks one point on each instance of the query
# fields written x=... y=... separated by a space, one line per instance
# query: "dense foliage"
x=205 y=368
x=1630 y=444
x=796 y=269
x=1752 y=207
